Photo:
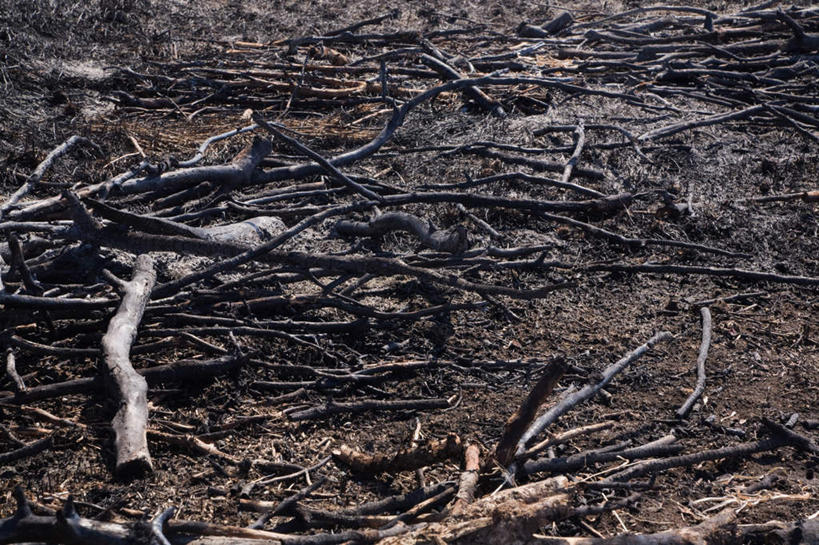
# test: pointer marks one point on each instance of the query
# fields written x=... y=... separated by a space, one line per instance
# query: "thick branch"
x=128 y=388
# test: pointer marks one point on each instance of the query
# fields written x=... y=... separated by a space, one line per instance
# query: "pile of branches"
x=281 y=242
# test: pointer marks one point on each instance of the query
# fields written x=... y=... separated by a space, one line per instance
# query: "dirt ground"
x=57 y=79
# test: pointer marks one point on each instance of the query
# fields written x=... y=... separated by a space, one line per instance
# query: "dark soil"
x=58 y=77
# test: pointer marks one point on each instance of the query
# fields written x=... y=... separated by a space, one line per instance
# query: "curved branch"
x=452 y=240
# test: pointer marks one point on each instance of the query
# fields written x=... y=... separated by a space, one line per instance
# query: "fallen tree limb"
x=325 y=164
x=54 y=303
x=564 y=437
x=631 y=242
x=675 y=128
x=683 y=411
x=68 y=527
x=11 y=371
x=128 y=388
x=580 y=141
x=736 y=451
x=179 y=371
x=240 y=254
x=285 y=506
x=510 y=516
x=447 y=72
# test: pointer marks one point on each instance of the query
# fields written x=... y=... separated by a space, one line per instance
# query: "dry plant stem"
x=40 y=171
x=519 y=422
x=408 y=459
x=194 y=444
x=517 y=175
x=587 y=391
x=807 y=196
x=634 y=242
x=730 y=298
x=128 y=388
x=683 y=411
x=44 y=416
